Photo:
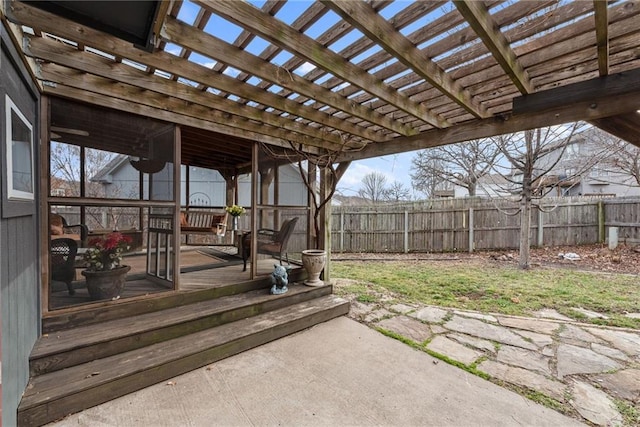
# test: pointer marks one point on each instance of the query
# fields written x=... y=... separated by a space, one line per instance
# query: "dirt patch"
x=623 y=259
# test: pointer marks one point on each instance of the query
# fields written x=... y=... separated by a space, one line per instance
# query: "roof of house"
x=358 y=78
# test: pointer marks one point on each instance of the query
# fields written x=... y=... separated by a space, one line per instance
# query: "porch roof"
x=360 y=78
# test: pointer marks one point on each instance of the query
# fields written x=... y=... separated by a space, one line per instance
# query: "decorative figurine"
x=279 y=279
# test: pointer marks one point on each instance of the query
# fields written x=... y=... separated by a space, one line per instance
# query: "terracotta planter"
x=314 y=260
x=107 y=284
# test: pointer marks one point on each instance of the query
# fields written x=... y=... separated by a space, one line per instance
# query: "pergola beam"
x=590 y=100
x=601 y=17
x=479 y=19
x=225 y=127
x=275 y=31
x=362 y=16
x=67 y=56
x=183 y=35
x=36 y=18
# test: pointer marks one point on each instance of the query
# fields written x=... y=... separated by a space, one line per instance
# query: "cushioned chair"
x=270 y=242
x=60 y=229
x=63 y=258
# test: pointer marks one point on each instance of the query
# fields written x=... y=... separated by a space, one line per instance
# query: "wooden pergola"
x=361 y=78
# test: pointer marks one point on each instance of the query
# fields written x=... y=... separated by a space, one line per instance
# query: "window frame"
x=13 y=193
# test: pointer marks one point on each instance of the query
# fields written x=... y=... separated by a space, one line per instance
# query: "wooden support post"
x=471 y=231
x=324 y=239
x=601 y=222
x=341 y=231
x=406 y=231
x=177 y=176
x=540 y=227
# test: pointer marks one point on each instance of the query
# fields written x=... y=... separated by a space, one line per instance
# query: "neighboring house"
x=584 y=169
x=490 y=186
x=207 y=187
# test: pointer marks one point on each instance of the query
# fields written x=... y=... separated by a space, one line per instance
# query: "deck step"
x=59 y=393
x=65 y=348
x=106 y=311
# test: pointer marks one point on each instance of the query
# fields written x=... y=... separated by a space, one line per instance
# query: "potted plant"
x=104 y=274
x=235 y=211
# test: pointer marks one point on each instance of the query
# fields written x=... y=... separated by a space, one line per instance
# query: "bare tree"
x=457 y=164
x=426 y=181
x=373 y=187
x=66 y=166
x=397 y=192
x=533 y=156
x=623 y=160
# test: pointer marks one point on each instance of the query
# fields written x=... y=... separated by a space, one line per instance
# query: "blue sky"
x=395 y=167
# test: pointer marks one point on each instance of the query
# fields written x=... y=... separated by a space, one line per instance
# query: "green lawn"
x=494 y=288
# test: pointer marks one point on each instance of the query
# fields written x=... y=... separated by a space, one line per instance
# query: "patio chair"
x=63 y=259
x=270 y=242
x=60 y=229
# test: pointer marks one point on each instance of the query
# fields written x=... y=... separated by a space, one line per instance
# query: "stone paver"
x=487 y=331
x=474 y=315
x=577 y=336
x=402 y=308
x=614 y=353
x=407 y=327
x=359 y=310
x=523 y=358
x=453 y=350
x=541 y=340
x=624 y=384
x=524 y=377
x=533 y=325
x=627 y=342
x=377 y=315
x=579 y=360
x=431 y=314
x=594 y=405
x=478 y=343
x=551 y=354
x=549 y=313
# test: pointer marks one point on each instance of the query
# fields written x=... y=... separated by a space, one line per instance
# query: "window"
x=19 y=154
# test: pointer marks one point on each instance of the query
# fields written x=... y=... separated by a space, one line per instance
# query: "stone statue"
x=279 y=279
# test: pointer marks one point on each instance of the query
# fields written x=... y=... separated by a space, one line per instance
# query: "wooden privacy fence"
x=476 y=224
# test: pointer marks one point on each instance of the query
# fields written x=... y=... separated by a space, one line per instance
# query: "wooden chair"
x=270 y=242
x=63 y=258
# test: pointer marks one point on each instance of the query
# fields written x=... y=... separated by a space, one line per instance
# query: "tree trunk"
x=525 y=228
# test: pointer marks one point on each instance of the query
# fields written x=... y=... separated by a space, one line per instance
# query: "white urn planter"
x=314 y=260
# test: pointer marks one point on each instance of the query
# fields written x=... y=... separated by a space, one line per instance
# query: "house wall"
x=19 y=267
x=207 y=187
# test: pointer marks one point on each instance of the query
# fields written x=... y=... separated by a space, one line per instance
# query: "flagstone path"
x=589 y=368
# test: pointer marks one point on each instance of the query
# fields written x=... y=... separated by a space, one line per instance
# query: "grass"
x=494 y=289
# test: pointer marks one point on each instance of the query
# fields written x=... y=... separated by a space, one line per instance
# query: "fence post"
x=406 y=231
x=601 y=220
x=540 y=227
x=471 y=231
x=341 y=231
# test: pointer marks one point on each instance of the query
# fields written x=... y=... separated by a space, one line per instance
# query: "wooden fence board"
x=444 y=225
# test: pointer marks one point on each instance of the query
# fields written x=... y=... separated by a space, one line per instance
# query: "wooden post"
x=254 y=210
x=177 y=176
x=471 y=231
x=601 y=222
x=406 y=231
x=540 y=227
x=324 y=239
x=341 y=231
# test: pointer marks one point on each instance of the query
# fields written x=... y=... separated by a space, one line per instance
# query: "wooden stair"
x=76 y=367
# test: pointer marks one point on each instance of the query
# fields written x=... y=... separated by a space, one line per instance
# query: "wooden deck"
x=202 y=268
